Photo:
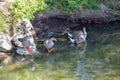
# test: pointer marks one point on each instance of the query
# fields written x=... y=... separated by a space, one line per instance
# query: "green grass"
x=2 y=21
x=28 y=8
x=73 y=5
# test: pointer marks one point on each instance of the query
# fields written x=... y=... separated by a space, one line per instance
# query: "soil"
x=56 y=21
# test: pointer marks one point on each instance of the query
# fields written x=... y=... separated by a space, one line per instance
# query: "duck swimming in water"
x=77 y=37
x=49 y=43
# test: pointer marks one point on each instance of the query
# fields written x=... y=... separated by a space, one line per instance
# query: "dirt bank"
x=56 y=21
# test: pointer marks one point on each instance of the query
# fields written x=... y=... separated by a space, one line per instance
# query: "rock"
x=24 y=38
x=29 y=47
x=26 y=27
x=5 y=44
x=16 y=41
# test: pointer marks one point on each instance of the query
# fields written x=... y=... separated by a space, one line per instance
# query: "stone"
x=5 y=44
x=16 y=41
x=29 y=47
x=26 y=27
x=23 y=40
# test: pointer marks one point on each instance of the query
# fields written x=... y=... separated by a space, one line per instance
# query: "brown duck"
x=49 y=43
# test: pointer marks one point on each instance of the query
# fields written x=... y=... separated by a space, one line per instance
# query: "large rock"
x=29 y=47
x=25 y=28
x=23 y=40
x=5 y=44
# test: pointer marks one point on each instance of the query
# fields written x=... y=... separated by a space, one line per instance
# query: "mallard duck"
x=49 y=43
x=77 y=37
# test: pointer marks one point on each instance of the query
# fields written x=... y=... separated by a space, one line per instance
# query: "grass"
x=28 y=8
x=2 y=21
x=72 y=5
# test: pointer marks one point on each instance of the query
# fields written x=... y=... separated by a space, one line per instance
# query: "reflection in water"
x=81 y=48
x=81 y=71
x=100 y=61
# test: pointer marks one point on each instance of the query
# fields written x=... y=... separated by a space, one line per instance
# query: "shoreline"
x=55 y=19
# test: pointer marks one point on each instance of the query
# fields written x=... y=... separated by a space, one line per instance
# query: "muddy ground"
x=56 y=21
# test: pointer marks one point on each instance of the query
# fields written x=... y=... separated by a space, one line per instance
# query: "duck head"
x=47 y=40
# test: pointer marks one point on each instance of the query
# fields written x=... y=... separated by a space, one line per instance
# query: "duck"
x=49 y=43
x=76 y=37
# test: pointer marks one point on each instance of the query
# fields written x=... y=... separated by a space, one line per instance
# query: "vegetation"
x=2 y=21
x=73 y=5
x=21 y=9
x=117 y=7
x=28 y=8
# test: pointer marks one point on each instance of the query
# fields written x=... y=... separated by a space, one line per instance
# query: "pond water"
x=100 y=61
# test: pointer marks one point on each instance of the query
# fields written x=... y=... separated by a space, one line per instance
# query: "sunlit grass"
x=2 y=21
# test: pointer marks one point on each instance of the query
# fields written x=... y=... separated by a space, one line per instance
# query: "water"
x=100 y=60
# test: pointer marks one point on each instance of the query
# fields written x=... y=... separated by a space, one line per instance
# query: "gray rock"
x=24 y=39
x=5 y=44
x=16 y=40
x=29 y=47
x=26 y=27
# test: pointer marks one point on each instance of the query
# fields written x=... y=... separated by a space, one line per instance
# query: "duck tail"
x=70 y=35
x=85 y=33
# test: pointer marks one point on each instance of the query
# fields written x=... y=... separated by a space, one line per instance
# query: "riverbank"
x=55 y=20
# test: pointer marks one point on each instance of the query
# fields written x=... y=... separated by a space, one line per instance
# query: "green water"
x=100 y=61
